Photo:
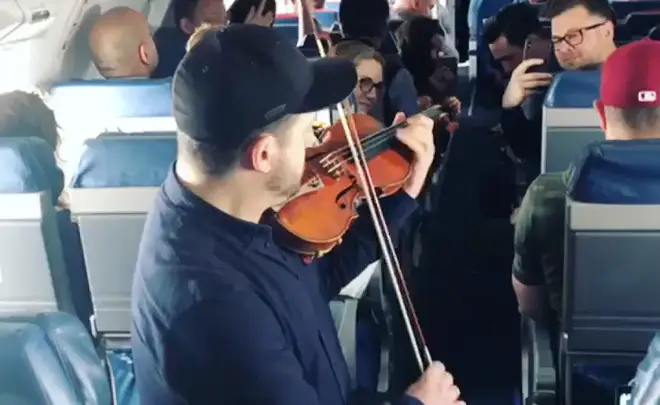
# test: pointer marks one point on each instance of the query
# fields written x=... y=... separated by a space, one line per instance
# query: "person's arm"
x=360 y=246
x=306 y=23
x=528 y=279
x=234 y=351
x=403 y=94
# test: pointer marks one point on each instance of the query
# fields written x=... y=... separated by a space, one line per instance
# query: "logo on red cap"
x=646 y=96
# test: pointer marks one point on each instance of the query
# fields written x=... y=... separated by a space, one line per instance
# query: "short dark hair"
x=217 y=160
x=364 y=18
x=238 y=12
x=601 y=8
x=637 y=119
x=515 y=22
x=184 y=9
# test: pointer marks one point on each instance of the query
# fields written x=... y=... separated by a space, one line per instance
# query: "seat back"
x=288 y=31
x=112 y=191
x=613 y=232
x=640 y=23
x=569 y=119
x=117 y=104
x=33 y=276
x=624 y=8
x=31 y=373
x=75 y=354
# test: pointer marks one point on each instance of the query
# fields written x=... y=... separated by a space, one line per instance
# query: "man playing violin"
x=221 y=314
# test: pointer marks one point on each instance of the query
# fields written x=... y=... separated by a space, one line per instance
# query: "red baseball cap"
x=630 y=77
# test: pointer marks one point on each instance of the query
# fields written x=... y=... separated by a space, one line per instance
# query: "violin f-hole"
x=342 y=193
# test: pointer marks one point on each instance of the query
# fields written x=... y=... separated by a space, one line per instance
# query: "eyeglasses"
x=575 y=38
x=367 y=84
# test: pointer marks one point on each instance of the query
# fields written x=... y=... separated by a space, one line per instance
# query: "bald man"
x=122 y=45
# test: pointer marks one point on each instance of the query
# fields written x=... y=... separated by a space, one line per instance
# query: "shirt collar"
x=218 y=222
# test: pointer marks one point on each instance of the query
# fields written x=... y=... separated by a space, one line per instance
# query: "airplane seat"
x=114 y=188
x=640 y=23
x=31 y=374
x=612 y=233
x=288 y=31
x=618 y=172
x=623 y=8
x=75 y=352
x=34 y=277
x=111 y=192
x=96 y=106
x=569 y=119
x=154 y=134
x=171 y=45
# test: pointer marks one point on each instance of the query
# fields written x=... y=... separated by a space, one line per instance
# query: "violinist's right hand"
x=436 y=387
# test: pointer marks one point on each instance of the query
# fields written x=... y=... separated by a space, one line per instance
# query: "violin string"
x=389 y=253
x=375 y=136
x=369 y=143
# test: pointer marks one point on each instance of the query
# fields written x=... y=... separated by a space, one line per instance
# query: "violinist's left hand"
x=454 y=103
x=418 y=136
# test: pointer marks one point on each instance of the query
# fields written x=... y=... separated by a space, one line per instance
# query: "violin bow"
x=412 y=325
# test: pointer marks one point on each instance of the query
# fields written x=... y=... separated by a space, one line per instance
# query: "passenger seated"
x=366 y=21
x=422 y=41
x=507 y=34
x=26 y=115
x=190 y=14
x=258 y=12
x=122 y=46
x=629 y=109
x=369 y=66
x=582 y=32
x=406 y=10
x=199 y=33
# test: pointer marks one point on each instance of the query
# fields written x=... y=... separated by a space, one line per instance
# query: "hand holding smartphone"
x=538 y=48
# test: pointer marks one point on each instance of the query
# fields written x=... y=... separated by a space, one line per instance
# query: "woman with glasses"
x=369 y=65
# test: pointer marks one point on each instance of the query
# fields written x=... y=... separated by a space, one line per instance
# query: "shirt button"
x=267 y=244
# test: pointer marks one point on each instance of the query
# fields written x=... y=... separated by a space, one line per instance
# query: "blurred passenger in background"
x=122 y=46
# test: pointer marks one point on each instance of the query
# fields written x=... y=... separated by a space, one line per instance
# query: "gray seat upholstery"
x=112 y=191
x=611 y=304
x=569 y=120
x=36 y=281
x=33 y=276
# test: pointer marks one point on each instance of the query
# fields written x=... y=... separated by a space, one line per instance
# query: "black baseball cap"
x=243 y=77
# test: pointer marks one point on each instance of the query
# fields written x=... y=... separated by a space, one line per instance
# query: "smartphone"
x=623 y=395
x=538 y=48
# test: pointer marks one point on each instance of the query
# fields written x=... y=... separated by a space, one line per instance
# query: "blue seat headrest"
x=115 y=98
x=617 y=172
x=28 y=166
x=288 y=31
x=574 y=89
x=125 y=161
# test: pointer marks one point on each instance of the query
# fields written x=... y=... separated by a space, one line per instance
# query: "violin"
x=357 y=161
x=330 y=184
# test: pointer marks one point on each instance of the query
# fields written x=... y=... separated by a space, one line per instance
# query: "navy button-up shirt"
x=222 y=315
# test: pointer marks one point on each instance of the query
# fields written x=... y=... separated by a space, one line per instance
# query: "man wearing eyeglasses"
x=582 y=38
x=582 y=32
